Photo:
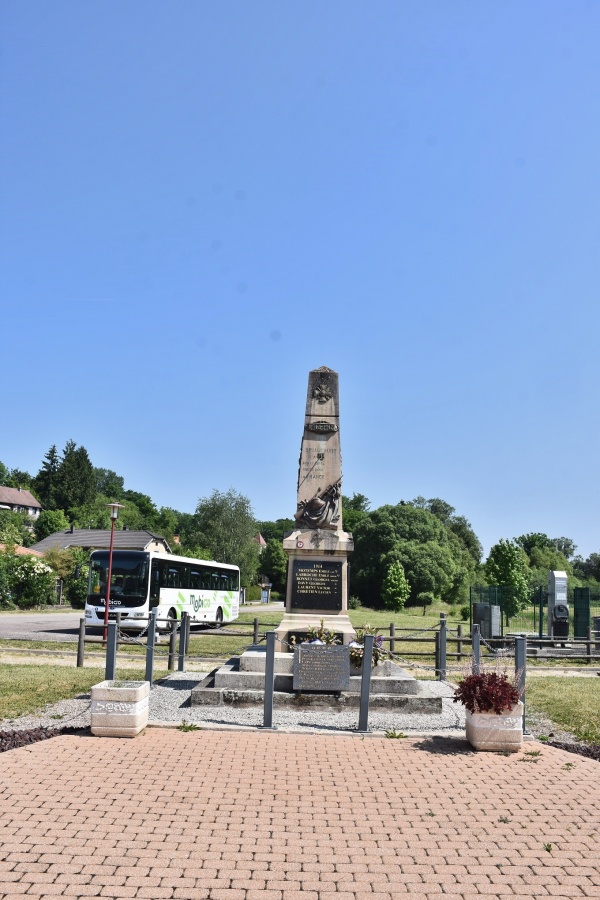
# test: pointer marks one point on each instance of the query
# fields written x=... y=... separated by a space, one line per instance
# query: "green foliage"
x=396 y=589
x=75 y=481
x=273 y=564
x=425 y=599
x=431 y=555
x=49 y=522
x=506 y=566
x=276 y=531
x=15 y=528
x=46 y=482
x=71 y=566
x=465 y=612
x=227 y=526
x=354 y=509
x=321 y=634
x=353 y=603
x=109 y=483
x=32 y=582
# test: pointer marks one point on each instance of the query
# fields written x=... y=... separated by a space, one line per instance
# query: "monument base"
x=298 y=623
x=317 y=584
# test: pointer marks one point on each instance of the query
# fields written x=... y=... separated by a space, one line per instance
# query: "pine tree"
x=76 y=479
x=45 y=483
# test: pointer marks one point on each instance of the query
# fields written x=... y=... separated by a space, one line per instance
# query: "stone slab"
x=318 y=667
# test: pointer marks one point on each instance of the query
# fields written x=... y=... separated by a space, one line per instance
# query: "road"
x=36 y=626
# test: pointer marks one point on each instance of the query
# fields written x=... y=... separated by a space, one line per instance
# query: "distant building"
x=259 y=539
x=98 y=539
x=22 y=551
x=19 y=500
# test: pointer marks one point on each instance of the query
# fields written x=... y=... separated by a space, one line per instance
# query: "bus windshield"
x=129 y=578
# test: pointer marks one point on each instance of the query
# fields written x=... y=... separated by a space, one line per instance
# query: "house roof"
x=22 y=551
x=18 y=497
x=97 y=539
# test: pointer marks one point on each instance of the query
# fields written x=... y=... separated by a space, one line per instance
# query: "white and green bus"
x=142 y=581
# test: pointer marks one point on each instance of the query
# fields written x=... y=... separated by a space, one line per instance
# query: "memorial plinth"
x=317 y=585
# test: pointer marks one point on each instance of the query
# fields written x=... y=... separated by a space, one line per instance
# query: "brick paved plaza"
x=262 y=816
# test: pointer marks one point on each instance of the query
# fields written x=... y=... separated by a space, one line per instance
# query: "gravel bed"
x=170 y=702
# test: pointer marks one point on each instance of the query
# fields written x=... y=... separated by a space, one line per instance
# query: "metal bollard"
x=459 y=643
x=442 y=647
x=81 y=643
x=172 y=647
x=365 y=683
x=111 y=652
x=392 y=636
x=521 y=670
x=182 y=644
x=476 y=639
x=255 y=637
x=151 y=641
x=269 y=681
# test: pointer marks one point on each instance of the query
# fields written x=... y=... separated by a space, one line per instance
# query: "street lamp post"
x=114 y=512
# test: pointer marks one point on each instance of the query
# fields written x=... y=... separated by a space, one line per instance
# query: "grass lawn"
x=573 y=703
x=23 y=689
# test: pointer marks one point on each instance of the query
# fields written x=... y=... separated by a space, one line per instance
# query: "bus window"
x=195 y=580
x=173 y=577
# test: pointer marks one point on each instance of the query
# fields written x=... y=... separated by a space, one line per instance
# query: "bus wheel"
x=172 y=614
x=219 y=619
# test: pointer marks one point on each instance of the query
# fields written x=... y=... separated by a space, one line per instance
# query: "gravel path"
x=170 y=702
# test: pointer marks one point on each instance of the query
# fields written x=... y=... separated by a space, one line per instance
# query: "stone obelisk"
x=317 y=584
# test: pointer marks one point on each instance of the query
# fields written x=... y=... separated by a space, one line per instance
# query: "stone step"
x=230 y=678
x=211 y=696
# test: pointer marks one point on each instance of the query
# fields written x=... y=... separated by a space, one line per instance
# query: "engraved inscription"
x=322 y=427
x=321 y=668
x=316 y=585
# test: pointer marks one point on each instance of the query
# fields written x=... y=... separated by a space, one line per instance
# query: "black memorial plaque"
x=321 y=667
x=316 y=585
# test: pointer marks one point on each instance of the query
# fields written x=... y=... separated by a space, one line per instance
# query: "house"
x=19 y=500
x=21 y=551
x=99 y=539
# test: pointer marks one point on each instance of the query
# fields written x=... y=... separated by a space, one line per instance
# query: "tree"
x=396 y=589
x=46 y=482
x=431 y=555
x=276 y=531
x=354 y=509
x=49 y=522
x=506 y=566
x=226 y=525
x=565 y=545
x=15 y=528
x=109 y=483
x=538 y=539
x=76 y=481
x=273 y=564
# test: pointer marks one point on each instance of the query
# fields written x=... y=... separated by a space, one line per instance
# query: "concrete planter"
x=120 y=708
x=490 y=731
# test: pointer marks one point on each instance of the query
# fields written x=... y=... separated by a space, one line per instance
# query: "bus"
x=145 y=580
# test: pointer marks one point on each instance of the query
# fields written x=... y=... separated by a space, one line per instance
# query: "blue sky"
x=202 y=201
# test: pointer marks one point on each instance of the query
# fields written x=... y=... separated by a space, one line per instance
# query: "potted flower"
x=357 y=648
x=494 y=713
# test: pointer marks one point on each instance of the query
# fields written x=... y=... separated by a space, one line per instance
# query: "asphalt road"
x=59 y=626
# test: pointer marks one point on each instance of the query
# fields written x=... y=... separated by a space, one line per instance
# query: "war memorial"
x=317 y=593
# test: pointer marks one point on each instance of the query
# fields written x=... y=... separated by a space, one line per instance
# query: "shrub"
x=465 y=612
x=353 y=603
x=487 y=692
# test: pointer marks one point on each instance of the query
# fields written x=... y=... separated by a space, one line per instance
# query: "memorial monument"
x=317 y=584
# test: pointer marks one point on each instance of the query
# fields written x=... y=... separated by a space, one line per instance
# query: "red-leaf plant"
x=487 y=692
